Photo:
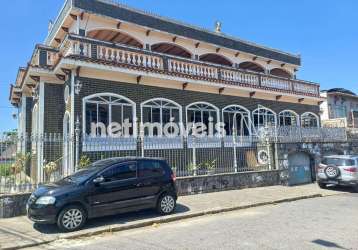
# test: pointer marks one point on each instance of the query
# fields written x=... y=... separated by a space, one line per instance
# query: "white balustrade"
x=276 y=83
x=241 y=77
x=52 y=58
x=192 y=69
x=129 y=57
x=80 y=48
x=305 y=88
x=188 y=68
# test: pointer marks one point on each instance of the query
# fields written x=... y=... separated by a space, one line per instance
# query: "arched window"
x=263 y=117
x=114 y=36
x=171 y=49
x=280 y=72
x=100 y=111
x=235 y=116
x=160 y=111
x=202 y=112
x=215 y=58
x=288 y=118
x=309 y=120
x=251 y=66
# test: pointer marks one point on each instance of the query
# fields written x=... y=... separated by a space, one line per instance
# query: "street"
x=320 y=223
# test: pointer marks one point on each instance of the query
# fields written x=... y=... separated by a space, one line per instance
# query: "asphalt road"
x=321 y=223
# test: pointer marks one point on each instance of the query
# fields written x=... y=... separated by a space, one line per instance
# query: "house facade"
x=105 y=62
x=340 y=108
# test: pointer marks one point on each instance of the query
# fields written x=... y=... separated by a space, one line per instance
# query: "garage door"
x=299 y=168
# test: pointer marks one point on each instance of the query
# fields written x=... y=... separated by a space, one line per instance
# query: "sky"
x=323 y=32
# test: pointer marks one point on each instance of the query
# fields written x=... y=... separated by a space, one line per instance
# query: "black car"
x=106 y=187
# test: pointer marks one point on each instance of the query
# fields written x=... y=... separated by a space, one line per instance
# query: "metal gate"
x=299 y=168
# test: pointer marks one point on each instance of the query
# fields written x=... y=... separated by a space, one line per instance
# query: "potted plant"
x=85 y=161
x=49 y=169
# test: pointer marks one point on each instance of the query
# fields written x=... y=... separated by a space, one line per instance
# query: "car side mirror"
x=98 y=180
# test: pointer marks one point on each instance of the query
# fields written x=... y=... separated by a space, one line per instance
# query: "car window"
x=338 y=162
x=150 y=168
x=120 y=172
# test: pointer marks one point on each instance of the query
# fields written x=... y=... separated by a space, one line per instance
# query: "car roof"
x=114 y=160
x=342 y=156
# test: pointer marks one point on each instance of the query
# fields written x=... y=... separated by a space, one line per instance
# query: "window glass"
x=107 y=109
x=263 y=117
x=338 y=162
x=121 y=172
x=309 y=120
x=161 y=112
x=150 y=169
x=242 y=123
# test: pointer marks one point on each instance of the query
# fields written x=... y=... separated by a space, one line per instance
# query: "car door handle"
x=139 y=185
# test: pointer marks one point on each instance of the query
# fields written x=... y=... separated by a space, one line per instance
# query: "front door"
x=299 y=168
x=118 y=191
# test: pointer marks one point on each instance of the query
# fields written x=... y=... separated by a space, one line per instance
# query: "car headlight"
x=46 y=200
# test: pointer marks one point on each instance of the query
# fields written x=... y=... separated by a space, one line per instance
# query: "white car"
x=338 y=170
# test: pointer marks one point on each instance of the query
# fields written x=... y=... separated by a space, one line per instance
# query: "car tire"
x=322 y=185
x=355 y=188
x=332 y=172
x=166 y=204
x=71 y=218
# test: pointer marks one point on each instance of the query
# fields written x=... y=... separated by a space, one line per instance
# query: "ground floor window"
x=263 y=117
x=204 y=113
x=237 y=117
x=162 y=112
x=107 y=110
x=309 y=120
x=288 y=118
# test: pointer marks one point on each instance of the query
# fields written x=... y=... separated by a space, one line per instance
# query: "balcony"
x=77 y=47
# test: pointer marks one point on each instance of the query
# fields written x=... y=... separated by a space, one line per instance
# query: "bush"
x=5 y=169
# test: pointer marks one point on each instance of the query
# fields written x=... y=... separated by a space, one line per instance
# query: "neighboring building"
x=107 y=62
x=340 y=108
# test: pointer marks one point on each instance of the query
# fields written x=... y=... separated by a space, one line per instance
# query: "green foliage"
x=208 y=165
x=85 y=161
x=5 y=169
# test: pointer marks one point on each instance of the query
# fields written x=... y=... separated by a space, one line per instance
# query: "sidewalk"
x=19 y=232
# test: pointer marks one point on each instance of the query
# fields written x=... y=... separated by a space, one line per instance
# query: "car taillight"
x=174 y=178
x=320 y=168
x=351 y=169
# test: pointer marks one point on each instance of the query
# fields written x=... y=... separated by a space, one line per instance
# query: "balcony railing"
x=187 y=68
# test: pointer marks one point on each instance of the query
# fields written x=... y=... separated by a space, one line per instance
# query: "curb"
x=165 y=220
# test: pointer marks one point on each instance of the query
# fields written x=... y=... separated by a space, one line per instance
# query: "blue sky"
x=324 y=32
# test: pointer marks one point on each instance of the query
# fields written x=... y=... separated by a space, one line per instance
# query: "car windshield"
x=87 y=172
x=338 y=162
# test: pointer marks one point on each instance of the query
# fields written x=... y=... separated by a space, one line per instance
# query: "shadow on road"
x=341 y=188
x=111 y=220
x=327 y=244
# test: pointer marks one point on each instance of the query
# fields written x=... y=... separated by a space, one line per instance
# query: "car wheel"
x=166 y=204
x=355 y=188
x=322 y=185
x=71 y=218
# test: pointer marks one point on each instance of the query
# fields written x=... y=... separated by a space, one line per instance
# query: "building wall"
x=334 y=101
x=54 y=108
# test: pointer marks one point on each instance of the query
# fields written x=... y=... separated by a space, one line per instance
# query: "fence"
x=26 y=161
